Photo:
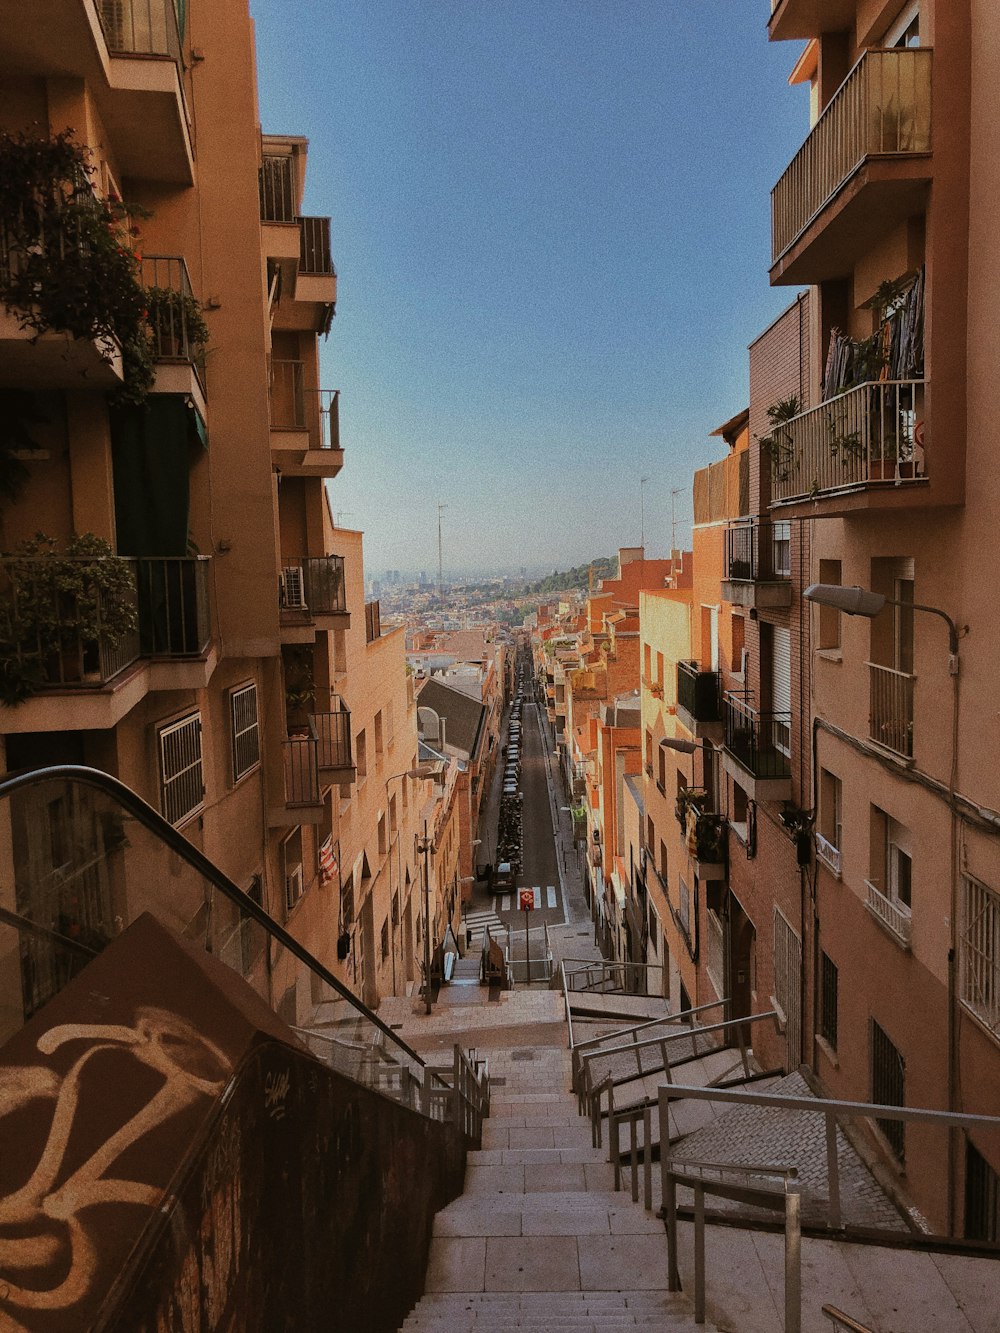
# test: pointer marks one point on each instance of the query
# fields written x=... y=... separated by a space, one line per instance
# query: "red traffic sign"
x=526 y=897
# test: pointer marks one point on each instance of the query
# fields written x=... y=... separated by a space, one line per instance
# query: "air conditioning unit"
x=293 y=588
x=293 y=886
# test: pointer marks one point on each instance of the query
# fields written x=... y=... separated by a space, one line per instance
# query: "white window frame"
x=181 y=771
x=828 y=849
x=292 y=870
x=244 y=728
x=895 y=31
x=980 y=944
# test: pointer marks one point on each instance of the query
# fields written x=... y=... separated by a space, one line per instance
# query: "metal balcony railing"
x=699 y=692
x=872 y=433
x=882 y=109
x=277 y=188
x=44 y=621
x=758 y=551
x=294 y=407
x=141 y=27
x=890 y=719
x=893 y=915
x=314 y=246
x=333 y=732
x=759 y=742
x=174 y=618
x=301 y=761
x=315 y=585
x=373 y=621
x=174 y=315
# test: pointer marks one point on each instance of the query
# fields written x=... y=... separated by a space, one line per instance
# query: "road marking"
x=504 y=907
x=551 y=895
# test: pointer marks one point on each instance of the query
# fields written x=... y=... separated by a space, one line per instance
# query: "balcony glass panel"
x=141 y=27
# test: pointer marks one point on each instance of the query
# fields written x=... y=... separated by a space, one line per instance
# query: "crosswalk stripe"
x=504 y=904
x=551 y=894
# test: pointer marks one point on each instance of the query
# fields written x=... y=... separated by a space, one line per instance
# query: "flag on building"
x=329 y=861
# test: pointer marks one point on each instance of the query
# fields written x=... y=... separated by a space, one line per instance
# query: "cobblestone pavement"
x=793 y=1138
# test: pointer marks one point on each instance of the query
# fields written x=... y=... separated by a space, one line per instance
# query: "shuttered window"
x=981 y=952
x=781 y=687
x=182 y=789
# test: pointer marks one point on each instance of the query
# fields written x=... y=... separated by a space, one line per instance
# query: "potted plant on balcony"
x=177 y=324
x=300 y=688
x=779 y=441
x=69 y=259
x=58 y=609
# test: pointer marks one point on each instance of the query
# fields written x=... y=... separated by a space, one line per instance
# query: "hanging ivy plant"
x=67 y=257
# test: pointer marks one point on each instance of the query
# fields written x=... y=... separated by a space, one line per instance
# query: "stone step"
x=497 y=1134
x=573 y=1263
x=534 y=1156
x=539 y=1178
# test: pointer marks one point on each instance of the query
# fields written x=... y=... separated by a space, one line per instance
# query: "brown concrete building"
x=197 y=627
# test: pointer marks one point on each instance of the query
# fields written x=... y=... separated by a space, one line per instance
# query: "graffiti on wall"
x=48 y=1224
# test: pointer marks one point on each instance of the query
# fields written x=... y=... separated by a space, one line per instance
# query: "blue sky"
x=551 y=229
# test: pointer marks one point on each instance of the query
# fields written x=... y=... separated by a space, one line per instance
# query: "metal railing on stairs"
x=843 y=1321
x=85 y=856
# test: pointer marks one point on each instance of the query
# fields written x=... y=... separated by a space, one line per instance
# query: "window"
x=393 y=819
x=661 y=779
x=663 y=862
x=379 y=743
x=647 y=655
x=905 y=31
x=385 y=939
x=390 y=724
x=649 y=753
x=361 y=755
x=828 y=1001
x=659 y=671
x=982 y=1197
x=244 y=730
x=252 y=936
x=829 y=617
x=788 y=982
x=888 y=1085
x=716 y=953
x=182 y=788
x=781 y=549
x=382 y=840
x=291 y=868
x=684 y=905
x=650 y=836
x=829 y=831
x=654 y=930
x=981 y=952
x=738 y=630
x=780 y=644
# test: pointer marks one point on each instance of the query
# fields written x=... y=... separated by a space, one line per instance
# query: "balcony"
x=699 y=700
x=890 y=718
x=67 y=639
x=864 y=168
x=758 y=570
x=891 y=914
x=312 y=594
x=143 y=108
x=302 y=795
x=869 y=444
x=373 y=622
x=174 y=619
x=757 y=749
x=178 y=330
x=805 y=18
x=704 y=834
x=316 y=283
x=333 y=733
x=305 y=424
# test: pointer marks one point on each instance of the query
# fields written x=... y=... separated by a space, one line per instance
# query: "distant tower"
x=441 y=509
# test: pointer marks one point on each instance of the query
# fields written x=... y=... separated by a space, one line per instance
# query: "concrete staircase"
x=539 y=1239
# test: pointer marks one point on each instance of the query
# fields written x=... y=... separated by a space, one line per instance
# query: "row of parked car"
x=510 y=838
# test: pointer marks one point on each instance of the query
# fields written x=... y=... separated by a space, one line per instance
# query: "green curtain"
x=152 y=448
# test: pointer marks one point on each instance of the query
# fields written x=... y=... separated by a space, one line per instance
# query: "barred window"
x=716 y=954
x=182 y=788
x=982 y=1197
x=244 y=730
x=788 y=982
x=888 y=1084
x=828 y=1001
x=981 y=952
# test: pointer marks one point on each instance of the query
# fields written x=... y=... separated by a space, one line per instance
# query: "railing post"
x=793 y=1259
x=633 y=1139
x=425 y=1099
x=833 y=1170
x=456 y=1088
x=668 y=1190
x=647 y=1158
x=699 y=1254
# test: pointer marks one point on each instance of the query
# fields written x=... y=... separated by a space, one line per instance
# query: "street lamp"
x=856 y=601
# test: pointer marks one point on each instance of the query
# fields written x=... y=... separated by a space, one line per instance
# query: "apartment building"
x=193 y=626
x=887 y=216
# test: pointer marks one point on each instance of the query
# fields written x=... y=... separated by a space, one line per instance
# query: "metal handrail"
x=154 y=822
x=840 y=1320
x=667 y=1020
